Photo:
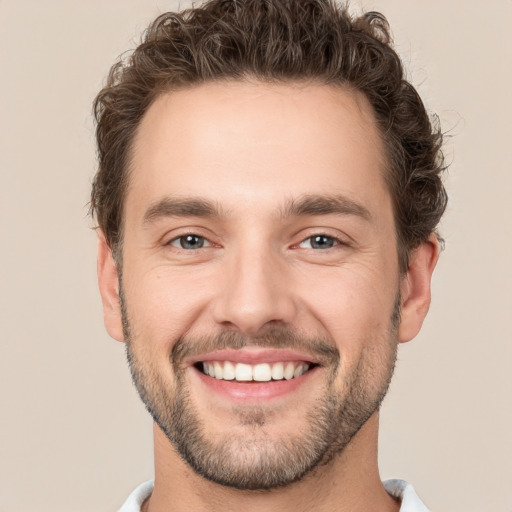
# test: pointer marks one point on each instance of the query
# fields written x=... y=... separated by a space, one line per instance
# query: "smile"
x=253 y=374
x=262 y=372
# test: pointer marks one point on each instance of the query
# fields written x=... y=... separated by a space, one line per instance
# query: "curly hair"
x=275 y=41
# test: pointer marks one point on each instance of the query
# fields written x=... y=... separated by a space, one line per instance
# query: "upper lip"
x=254 y=355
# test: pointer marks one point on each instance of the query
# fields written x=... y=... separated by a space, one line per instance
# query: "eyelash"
x=332 y=239
x=181 y=240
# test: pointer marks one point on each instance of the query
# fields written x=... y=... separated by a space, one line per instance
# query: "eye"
x=319 y=242
x=190 y=242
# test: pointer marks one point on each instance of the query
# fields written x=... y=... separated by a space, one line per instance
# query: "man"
x=267 y=198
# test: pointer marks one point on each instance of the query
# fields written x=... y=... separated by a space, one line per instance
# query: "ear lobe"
x=108 y=281
x=415 y=288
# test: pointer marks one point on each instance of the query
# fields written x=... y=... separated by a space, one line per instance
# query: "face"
x=260 y=281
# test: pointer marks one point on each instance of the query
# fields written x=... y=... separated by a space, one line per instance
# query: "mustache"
x=322 y=349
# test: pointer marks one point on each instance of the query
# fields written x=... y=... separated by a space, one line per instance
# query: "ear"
x=108 y=280
x=415 y=288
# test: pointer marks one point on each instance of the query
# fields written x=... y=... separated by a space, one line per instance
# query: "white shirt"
x=399 y=489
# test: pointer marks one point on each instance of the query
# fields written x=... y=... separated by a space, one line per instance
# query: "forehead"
x=256 y=143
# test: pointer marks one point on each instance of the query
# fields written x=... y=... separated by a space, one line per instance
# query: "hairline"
x=252 y=78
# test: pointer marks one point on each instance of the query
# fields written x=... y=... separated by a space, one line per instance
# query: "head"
x=315 y=41
x=267 y=196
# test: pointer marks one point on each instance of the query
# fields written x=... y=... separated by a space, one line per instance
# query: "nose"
x=256 y=293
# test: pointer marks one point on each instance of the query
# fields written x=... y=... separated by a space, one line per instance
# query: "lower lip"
x=244 y=391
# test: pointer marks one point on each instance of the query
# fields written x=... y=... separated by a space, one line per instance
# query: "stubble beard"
x=253 y=461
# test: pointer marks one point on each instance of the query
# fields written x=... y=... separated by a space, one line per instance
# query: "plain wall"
x=74 y=436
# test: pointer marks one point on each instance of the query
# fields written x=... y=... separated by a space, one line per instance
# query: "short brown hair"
x=275 y=41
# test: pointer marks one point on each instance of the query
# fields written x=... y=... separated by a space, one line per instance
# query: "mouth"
x=261 y=372
x=253 y=374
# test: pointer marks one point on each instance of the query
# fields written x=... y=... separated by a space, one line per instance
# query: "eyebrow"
x=295 y=207
x=181 y=207
x=325 y=205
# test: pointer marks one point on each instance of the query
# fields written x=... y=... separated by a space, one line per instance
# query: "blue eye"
x=319 y=242
x=189 y=242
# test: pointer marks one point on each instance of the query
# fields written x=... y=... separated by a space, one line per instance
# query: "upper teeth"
x=262 y=372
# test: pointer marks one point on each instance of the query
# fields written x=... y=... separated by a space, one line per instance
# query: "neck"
x=350 y=482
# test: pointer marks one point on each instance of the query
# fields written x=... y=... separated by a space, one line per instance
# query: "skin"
x=250 y=149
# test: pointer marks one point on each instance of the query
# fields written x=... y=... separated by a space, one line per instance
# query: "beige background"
x=74 y=436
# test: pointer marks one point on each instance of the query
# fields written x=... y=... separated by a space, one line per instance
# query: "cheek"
x=355 y=301
x=162 y=305
x=356 y=311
